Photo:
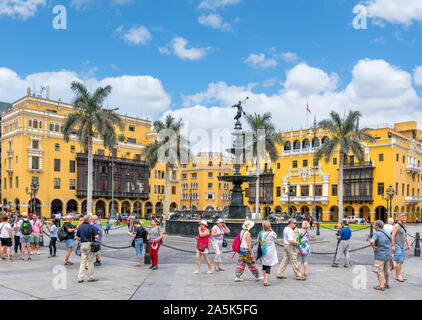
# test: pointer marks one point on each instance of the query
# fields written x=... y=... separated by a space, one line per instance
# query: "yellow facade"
x=395 y=158
x=32 y=129
x=200 y=188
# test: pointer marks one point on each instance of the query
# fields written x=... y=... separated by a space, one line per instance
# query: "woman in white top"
x=217 y=237
x=5 y=238
x=269 y=257
x=246 y=256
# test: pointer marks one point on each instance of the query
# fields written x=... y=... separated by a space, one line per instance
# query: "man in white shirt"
x=388 y=227
x=290 y=254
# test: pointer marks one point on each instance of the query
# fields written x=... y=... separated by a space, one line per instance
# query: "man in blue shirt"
x=381 y=243
x=97 y=223
x=343 y=237
x=86 y=234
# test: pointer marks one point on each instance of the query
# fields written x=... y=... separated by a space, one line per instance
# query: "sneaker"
x=97 y=263
x=38 y=253
x=50 y=255
x=260 y=278
x=238 y=280
x=80 y=281
x=152 y=266
x=155 y=268
x=93 y=280
x=334 y=265
x=346 y=266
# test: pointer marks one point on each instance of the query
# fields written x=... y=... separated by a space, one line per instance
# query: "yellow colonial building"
x=33 y=149
x=394 y=159
x=200 y=188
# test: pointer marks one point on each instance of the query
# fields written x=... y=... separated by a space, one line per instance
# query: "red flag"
x=307 y=107
x=180 y=119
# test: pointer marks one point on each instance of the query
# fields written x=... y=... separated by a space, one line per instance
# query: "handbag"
x=225 y=244
x=95 y=246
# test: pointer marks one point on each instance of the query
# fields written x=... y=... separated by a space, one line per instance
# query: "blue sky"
x=195 y=58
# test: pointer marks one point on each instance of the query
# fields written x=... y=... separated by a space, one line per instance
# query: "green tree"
x=169 y=148
x=89 y=120
x=264 y=133
x=348 y=138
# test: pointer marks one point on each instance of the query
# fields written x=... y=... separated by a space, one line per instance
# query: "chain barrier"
x=335 y=230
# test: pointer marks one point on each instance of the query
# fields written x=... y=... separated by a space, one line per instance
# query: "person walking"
x=202 y=246
x=36 y=234
x=52 y=228
x=388 y=227
x=304 y=239
x=5 y=238
x=217 y=238
x=290 y=254
x=57 y=218
x=343 y=237
x=381 y=243
x=246 y=256
x=400 y=239
x=108 y=227
x=154 y=238
x=25 y=228
x=86 y=234
x=70 y=230
x=139 y=234
x=17 y=234
x=269 y=257
x=97 y=223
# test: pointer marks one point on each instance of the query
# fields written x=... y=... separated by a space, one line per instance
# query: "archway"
x=293 y=210
x=173 y=207
x=37 y=206
x=396 y=210
x=56 y=206
x=148 y=209
x=125 y=207
x=100 y=208
x=83 y=209
x=380 y=213
x=17 y=205
x=158 y=209
x=318 y=210
x=71 y=206
x=137 y=208
x=349 y=211
x=334 y=213
x=278 y=209
x=305 y=211
x=364 y=212
x=209 y=208
x=115 y=208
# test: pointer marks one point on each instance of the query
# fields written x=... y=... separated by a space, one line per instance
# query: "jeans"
x=139 y=244
x=52 y=245
x=17 y=243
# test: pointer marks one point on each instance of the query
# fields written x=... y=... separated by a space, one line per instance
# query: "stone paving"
x=119 y=279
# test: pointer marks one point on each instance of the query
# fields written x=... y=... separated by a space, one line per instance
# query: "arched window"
x=296 y=145
x=56 y=127
x=40 y=124
x=315 y=142
x=325 y=140
x=51 y=126
x=30 y=123
x=305 y=144
x=35 y=124
x=287 y=146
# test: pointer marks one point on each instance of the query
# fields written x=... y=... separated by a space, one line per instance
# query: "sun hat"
x=204 y=222
x=220 y=220
x=248 y=224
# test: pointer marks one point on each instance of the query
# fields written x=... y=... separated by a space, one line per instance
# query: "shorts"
x=398 y=254
x=69 y=243
x=25 y=239
x=302 y=258
x=139 y=244
x=35 y=238
x=202 y=252
x=6 y=242
x=267 y=269
x=382 y=267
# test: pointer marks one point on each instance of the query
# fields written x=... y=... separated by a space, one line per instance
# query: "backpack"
x=236 y=244
x=26 y=228
x=62 y=234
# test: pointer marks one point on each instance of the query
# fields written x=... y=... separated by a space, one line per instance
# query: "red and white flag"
x=307 y=107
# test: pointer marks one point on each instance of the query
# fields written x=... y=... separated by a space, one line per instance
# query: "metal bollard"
x=417 y=245
x=147 y=258
x=371 y=230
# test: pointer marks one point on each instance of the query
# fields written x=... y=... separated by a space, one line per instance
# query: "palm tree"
x=88 y=120
x=262 y=122
x=160 y=148
x=347 y=137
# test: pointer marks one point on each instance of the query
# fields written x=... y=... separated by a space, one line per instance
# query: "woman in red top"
x=202 y=246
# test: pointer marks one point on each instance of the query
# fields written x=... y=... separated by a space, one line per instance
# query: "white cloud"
x=81 y=4
x=261 y=61
x=179 y=48
x=395 y=11
x=216 y=4
x=23 y=9
x=289 y=56
x=382 y=92
x=214 y=21
x=417 y=75
x=135 y=95
x=136 y=35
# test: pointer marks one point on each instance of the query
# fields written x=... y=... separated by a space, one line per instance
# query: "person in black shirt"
x=138 y=233
x=70 y=229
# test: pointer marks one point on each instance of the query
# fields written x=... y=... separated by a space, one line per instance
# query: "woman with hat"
x=246 y=256
x=217 y=237
x=202 y=246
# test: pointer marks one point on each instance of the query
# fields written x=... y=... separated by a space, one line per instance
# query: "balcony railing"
x=305 y=199
x=359 y=164
x=81 y=193
x=413 y=168
x=413 y=200
x=358 y=199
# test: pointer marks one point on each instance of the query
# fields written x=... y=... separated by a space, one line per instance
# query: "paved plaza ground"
x=43 y=278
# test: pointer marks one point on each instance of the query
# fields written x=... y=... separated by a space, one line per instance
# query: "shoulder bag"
x=95 y=246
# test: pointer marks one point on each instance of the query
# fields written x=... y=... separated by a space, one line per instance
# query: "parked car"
x=353 y=219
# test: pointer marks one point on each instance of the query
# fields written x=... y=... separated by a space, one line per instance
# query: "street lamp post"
x=290 y=193
x=34 y=189
x=112 y=215
x=314 y=213
x=390 y=195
